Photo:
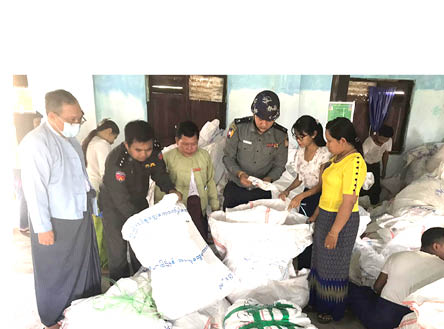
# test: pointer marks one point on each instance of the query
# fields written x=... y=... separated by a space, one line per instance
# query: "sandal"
x=324 y=318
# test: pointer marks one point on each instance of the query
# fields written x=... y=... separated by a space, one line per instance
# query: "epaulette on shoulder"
x=156 y=145
x=243 y=120
x=122 y=159
x=279 y=127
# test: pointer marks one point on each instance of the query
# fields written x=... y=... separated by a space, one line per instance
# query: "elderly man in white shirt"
x=60 y=202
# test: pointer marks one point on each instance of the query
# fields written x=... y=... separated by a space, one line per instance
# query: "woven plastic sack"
x=267 y=211
x=294 y=290
x=259 y=252
x=127 y=304
x=186 y=275
x=282 y=314
x=210 y=317
x=428 y=304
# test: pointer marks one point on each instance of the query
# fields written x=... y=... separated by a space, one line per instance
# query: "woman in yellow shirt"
x=337 y=221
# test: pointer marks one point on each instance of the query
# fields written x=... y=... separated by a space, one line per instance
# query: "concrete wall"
x=121 y=98
x=81 y=86
x=298 y=95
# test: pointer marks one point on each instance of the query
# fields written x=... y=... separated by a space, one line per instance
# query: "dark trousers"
x=23 y=211
x=195 y=210
x=375 y=190
x=235 y=195
x=307 y=208
x=374 y=311
x=116 y=247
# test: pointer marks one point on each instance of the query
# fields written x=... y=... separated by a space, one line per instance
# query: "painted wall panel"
x=81 y=86
x=121 y=98
x=298 y=95
x=241 y=90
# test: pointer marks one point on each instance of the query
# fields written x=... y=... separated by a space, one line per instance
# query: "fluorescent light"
x=166 y=87
x=399 y=93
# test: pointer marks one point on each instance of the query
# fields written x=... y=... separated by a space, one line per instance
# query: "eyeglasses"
x=300 y=137
x=81 y=121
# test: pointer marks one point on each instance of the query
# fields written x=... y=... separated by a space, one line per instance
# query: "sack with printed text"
x=186 y=275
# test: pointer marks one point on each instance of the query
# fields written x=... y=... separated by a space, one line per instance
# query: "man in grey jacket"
x=256 y=146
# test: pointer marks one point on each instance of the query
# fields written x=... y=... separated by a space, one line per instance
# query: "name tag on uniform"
x=247 y=142
x=196 y=169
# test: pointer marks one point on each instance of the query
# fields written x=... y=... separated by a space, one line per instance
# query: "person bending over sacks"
x=403 y=273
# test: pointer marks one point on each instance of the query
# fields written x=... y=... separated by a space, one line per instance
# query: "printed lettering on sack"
x=141 y=221
x=173 y=261
x=229 y=277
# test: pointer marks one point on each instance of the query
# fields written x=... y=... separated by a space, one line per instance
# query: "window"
x=349 y=89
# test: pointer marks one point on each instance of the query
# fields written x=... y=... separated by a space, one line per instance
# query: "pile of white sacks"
x=397 y=225
x=186 y=286
x=428 y=306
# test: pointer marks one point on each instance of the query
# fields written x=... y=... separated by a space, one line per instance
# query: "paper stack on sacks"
x=281 y=314
x=259 y=250
x=428 y=305
x=127 y=304
x=185 y=274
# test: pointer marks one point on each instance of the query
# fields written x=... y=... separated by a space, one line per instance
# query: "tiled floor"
x=23 y=305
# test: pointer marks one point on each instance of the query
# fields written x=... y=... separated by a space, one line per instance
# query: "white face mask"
x=70 y=129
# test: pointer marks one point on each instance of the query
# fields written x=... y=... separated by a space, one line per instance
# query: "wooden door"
x=167 y=105
x=176 y=98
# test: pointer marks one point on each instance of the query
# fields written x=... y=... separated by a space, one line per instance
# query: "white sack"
x=267 y=211
x=257 y=252
x=294 y=290
x=185 y=273
x=417 y=160
x=208 y=132
x=369 y=181
x=426 y=191
x=364 y=220
x=246 y=311
x=394 y=234
x=433 y=162
x=428 y=304
x=409 y=321
x=127 y=304
x=209 y=317
x=263 y=185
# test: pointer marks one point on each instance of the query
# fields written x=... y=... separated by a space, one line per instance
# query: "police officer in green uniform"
x=256 y=146
x=123 y=192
